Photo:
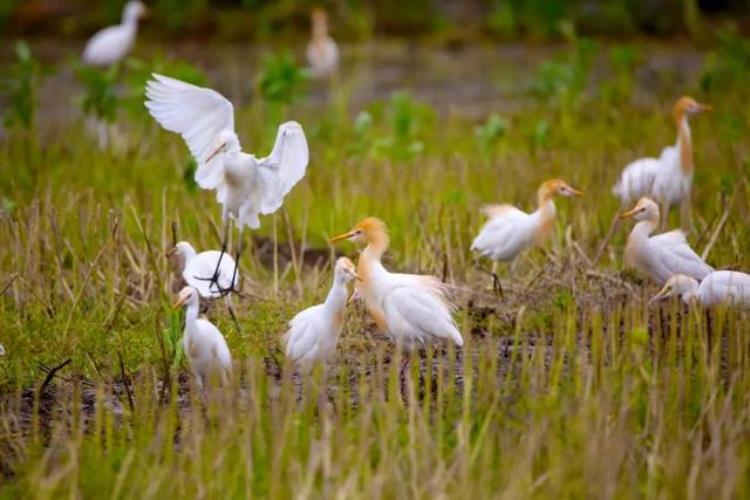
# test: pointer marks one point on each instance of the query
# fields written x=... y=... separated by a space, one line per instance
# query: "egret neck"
x=684 y=145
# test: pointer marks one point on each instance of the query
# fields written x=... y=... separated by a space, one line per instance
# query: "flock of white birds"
x=414 y=310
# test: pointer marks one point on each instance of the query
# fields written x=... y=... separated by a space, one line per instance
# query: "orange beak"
x=575 y=191
x=180 y=301
x=630 y=213
x=340 y=237
x=704 y=107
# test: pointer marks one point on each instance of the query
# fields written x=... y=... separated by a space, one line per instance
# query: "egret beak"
x=704 y=108
x=218 y=150
x=663 y=294
x=180 y=301
x=170 y=252
x=340 y=237
x=575 y=192
x=630 y=213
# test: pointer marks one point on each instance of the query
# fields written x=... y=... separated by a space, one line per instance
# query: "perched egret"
x=664 y=255
x=204 y=344
x=110 y=45
x=246 y=186
x=412 y=309
x=669 y=178
x=313 y=333
x=322 y=51
x=509 y=231
x=718 y=287
x=195 y=266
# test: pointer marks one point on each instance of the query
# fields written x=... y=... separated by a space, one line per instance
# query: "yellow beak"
x=663 y=294
x=344 y=236
x=630 y=213
x=218 y=150
x=704 y=107
x=171 y=252
x=575 y=192
x=177 y=303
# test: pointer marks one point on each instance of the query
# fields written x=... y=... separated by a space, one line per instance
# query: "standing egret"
x=322 y=51
x=509 y=231
x=245 y=186
x=195 y=266
x=718 y=287
x=412 y=309
x=204 y=344
x=313 y=333
x=664 y=255
x=669 y=178
x=110 y=45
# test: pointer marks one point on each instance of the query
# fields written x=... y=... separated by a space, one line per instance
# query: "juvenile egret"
x=509 y=231
x=412 y=309
x=245 y=186
x=322 y=51
x=664 y=255
x=313 y=333
x=195 y=266
x=669 y=178
x=110 y=45
x=718 y=287
x=204 y=344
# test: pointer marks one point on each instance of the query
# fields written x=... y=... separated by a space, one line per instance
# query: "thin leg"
x=610 y=234
x=497 y=287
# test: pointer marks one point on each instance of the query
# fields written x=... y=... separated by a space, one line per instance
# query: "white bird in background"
x=313 y=333
x=204 y=344
x=509 y=231
x=322 y=51
x=246 y=186
x=669 y=178
x=195 y=266
x=718 y=287
x=664 y=255
x=110 y=45
x=412 y=309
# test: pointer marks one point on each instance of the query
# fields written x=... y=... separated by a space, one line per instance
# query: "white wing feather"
x=725 y=286
x=284 y=167
x=507 y=232
x=670 y=254
x=203 y=266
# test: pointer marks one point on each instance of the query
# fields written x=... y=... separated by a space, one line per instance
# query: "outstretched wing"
x=198 y=114
x=284 y=167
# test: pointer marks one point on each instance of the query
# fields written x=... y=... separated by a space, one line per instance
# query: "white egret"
x=718 y=287
x=412 y=309
x=246 y=186
x=669 y=178
x=204 y=344
x=313 y=333
x=322 y=51
x=664 y=255
x=196 y=266
x=110 y=45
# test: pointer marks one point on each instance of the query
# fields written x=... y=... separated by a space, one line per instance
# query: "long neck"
x=336 y=299
x=377 y=245
x=684 y=144
x=191 y=313
x=645 y=227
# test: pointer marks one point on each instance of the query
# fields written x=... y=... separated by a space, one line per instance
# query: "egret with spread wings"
x=246 y=186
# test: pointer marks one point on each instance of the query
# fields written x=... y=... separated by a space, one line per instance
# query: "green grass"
x=570 y=387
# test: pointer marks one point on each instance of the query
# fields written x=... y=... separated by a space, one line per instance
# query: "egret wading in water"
x=718 y=287
x=509 y=231
x=112 y=44
x=322 y=51
x=204 y=345
x=313 y=333
x=661 y=256
x=412 y=309
x=246 y=186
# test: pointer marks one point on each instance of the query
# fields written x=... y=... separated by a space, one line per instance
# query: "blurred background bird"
x=718 y=287
x=313 y=333
x=322 y=51
x=661 y=256
x=413 y=309
x=204 y=344
x=112 y=44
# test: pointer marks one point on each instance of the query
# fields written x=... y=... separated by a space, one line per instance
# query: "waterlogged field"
x=569 y=384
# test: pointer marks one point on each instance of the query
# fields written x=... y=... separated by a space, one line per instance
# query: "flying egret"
x=204 y=344
x=195 y=266
x=110 y=45
x=669 y=178
x=412 y=309
x=718 y=287
x=664 y=255
x=245 y=186
x=313 y=333
x=509 y=231
x=322 y=51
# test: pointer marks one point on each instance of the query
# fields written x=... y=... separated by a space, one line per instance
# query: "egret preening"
x=204 y=344
x=509 y=231
x=110 y=45
x=413 y=309
x=322 y=51
x=245 y=186
x=195 y=266
x=313 y=333
x=718 y=287
x=664 y=255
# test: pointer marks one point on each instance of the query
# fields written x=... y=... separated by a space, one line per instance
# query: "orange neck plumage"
x=683 y=141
